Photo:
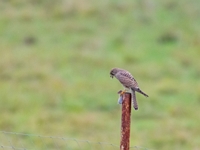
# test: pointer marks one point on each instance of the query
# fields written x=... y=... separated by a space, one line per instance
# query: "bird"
x=129 y=83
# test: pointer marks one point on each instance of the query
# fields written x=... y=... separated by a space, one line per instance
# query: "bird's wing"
x=127 y=74
x=126 y=79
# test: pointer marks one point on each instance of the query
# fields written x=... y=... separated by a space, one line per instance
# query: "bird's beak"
x=111 y=76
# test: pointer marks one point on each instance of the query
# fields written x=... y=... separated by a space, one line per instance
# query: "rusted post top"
x=125 y=122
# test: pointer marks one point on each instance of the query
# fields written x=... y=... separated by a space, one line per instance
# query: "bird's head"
x=113 y=72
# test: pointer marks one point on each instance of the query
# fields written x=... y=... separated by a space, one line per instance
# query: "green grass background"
x=55 y=58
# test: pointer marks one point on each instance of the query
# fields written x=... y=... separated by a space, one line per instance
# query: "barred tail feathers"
x=134 y=101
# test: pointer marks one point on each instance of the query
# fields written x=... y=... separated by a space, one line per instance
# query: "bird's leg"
x=121 y=92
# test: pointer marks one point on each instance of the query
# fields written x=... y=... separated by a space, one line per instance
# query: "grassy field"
x=55 y=62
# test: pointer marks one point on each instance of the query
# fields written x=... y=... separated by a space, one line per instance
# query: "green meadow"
x=55 y=59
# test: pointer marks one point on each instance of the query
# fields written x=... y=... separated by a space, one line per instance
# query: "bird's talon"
x=121 y=92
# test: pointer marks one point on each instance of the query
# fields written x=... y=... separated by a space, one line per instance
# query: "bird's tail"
x=138 y=90
x=134 y=101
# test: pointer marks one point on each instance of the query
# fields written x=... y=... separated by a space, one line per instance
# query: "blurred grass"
x=55 y=63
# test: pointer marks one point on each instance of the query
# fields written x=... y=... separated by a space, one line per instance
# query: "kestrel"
x=129 y=83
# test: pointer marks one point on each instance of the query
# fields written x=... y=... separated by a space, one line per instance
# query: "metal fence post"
x=125 y=122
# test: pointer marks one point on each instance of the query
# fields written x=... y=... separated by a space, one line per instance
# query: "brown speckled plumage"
x=128 y=81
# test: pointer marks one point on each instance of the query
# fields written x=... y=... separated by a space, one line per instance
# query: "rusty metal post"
x=125 y=122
